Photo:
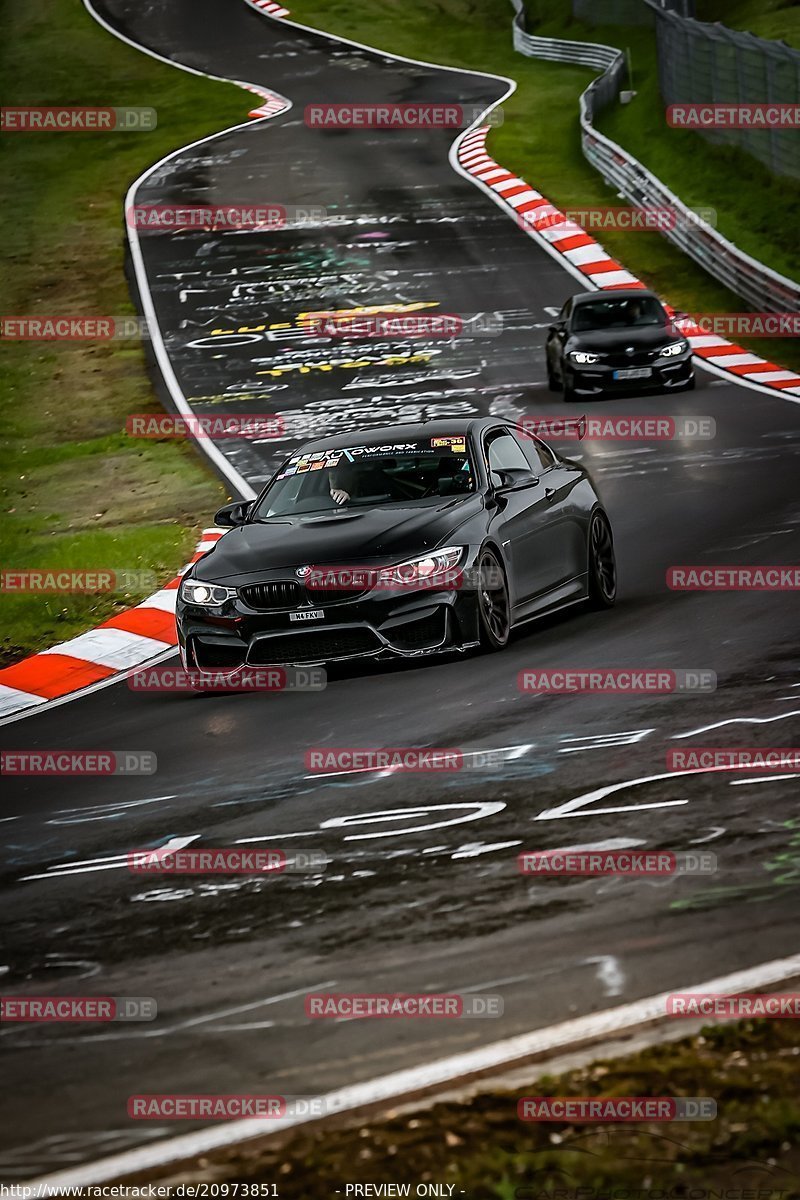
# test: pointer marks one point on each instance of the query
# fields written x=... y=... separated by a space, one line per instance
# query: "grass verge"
x=540 y=137
x=775 y=19
x=749 y=1152
x=76 y=492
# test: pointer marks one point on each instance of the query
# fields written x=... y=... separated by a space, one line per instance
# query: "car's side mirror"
x=234 y=514
x=513 y=479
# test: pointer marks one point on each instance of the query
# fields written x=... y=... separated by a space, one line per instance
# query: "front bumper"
x=667 y=375
x=384 y=625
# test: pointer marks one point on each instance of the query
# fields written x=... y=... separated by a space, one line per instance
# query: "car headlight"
x=672 y=349
x=206 y=595
x=583 y=357
x=423 y=571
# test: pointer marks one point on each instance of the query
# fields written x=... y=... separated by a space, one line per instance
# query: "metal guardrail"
x=757 y=284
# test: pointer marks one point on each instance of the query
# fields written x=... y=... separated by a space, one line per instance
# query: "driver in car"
x=633 y=312
x=369 y=480
x=338 y=493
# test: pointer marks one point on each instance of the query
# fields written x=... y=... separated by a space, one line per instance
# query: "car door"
x=522 y=522
x=566 y=524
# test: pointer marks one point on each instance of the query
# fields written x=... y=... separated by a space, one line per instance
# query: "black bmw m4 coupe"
x=397 y=542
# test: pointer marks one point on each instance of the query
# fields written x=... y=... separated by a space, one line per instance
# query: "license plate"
x=634 y=373
x=309 y=614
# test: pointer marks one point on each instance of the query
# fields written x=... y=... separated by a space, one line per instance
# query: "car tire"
x=553 y=382
x=494 y=605
x=569 y=394
x=602 y=563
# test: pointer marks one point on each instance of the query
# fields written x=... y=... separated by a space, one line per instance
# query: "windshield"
x=367 y=476
x=618 y=314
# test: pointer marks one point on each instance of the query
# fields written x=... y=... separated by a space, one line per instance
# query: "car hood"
x=647 y=337
x=344 y=536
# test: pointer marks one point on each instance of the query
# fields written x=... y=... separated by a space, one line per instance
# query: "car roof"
x=617 y=294
x=390 y=434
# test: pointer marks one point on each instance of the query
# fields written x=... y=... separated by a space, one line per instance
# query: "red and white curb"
x=273 y=103
x=269 y=6
x=102 y=655
x=583 y=255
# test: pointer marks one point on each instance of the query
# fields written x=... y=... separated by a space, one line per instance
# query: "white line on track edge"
x=413 y=1080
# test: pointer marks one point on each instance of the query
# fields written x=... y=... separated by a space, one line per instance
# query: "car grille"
x=318 y=645
x=285 y=593
x=642 y=358
x=267 y=597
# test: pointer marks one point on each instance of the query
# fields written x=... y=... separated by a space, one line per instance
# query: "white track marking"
x=179 y=1026
x=445 y=1071
x=609 y=973
x=737 y=721
x=485 y=808
x=763 y=779
x=716 y=831
x=111 y=862
x=575 y=807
